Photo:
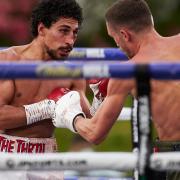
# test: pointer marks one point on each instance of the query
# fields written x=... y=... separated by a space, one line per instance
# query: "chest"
x=30 y=91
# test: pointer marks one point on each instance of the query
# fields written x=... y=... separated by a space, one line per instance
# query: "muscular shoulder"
x=9 y=54
x=7 y=90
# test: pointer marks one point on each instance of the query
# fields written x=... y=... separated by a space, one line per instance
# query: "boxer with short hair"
x=25 y=112
x=130 y=24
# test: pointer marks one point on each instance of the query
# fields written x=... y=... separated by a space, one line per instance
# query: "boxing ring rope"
x=97 y=54
x=62 y=70
x=86 y=161
x=51 y=70
x=87 y=54
x=68 y=161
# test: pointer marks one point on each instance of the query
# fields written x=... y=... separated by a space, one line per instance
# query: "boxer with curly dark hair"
x=27 y=106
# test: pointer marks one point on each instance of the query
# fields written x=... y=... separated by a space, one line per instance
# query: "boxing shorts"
x=14 y=144
x=167 y=146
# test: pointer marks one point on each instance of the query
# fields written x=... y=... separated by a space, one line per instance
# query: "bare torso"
x=30 y=91
x=165 y=95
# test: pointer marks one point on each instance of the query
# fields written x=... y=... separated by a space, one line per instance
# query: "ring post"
x=134 y=134
x=144 y=121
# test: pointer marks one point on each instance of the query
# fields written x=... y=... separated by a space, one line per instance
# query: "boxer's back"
x=165 y=95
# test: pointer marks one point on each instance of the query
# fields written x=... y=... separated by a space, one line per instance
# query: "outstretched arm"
x=94 y=130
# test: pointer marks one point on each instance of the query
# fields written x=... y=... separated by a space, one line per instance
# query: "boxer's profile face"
x=122 y=38
x=59 y=39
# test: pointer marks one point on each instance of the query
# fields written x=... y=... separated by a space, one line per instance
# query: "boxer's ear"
x=125 y=35
x=41 y=29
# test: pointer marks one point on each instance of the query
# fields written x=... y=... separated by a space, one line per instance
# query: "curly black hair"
x=49 y=12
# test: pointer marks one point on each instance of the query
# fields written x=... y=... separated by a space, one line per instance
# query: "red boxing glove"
x=57 y=93
x=99 y=88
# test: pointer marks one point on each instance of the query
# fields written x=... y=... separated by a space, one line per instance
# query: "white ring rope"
x=86 y=161
x=68 y=161
x=166 y=161
x=125 y=114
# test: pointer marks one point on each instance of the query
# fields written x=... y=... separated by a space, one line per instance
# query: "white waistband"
x=26 y=145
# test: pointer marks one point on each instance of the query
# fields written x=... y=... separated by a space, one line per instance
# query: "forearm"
x=87 y=128
x=12 y=117
x=85 y=105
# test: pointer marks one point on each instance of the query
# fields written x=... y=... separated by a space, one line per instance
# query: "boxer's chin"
x=57 y=55
x=62 y=55
x=53 y=54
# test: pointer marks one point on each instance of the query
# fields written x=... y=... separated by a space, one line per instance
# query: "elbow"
x=96 y=138
x=3 y=122
x=97 y=142
x=96 y=135
x=91 y=130
x=94 y=141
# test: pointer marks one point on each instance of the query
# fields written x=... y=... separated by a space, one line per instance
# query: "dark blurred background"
x=15 y=21
x=15 y=30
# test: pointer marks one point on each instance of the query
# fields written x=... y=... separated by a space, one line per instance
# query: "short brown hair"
x=134 y=14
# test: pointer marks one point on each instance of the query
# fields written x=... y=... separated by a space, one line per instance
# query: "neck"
x=35 y=50
x=149 y=39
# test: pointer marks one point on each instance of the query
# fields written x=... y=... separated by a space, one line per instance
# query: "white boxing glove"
x=66 y=110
